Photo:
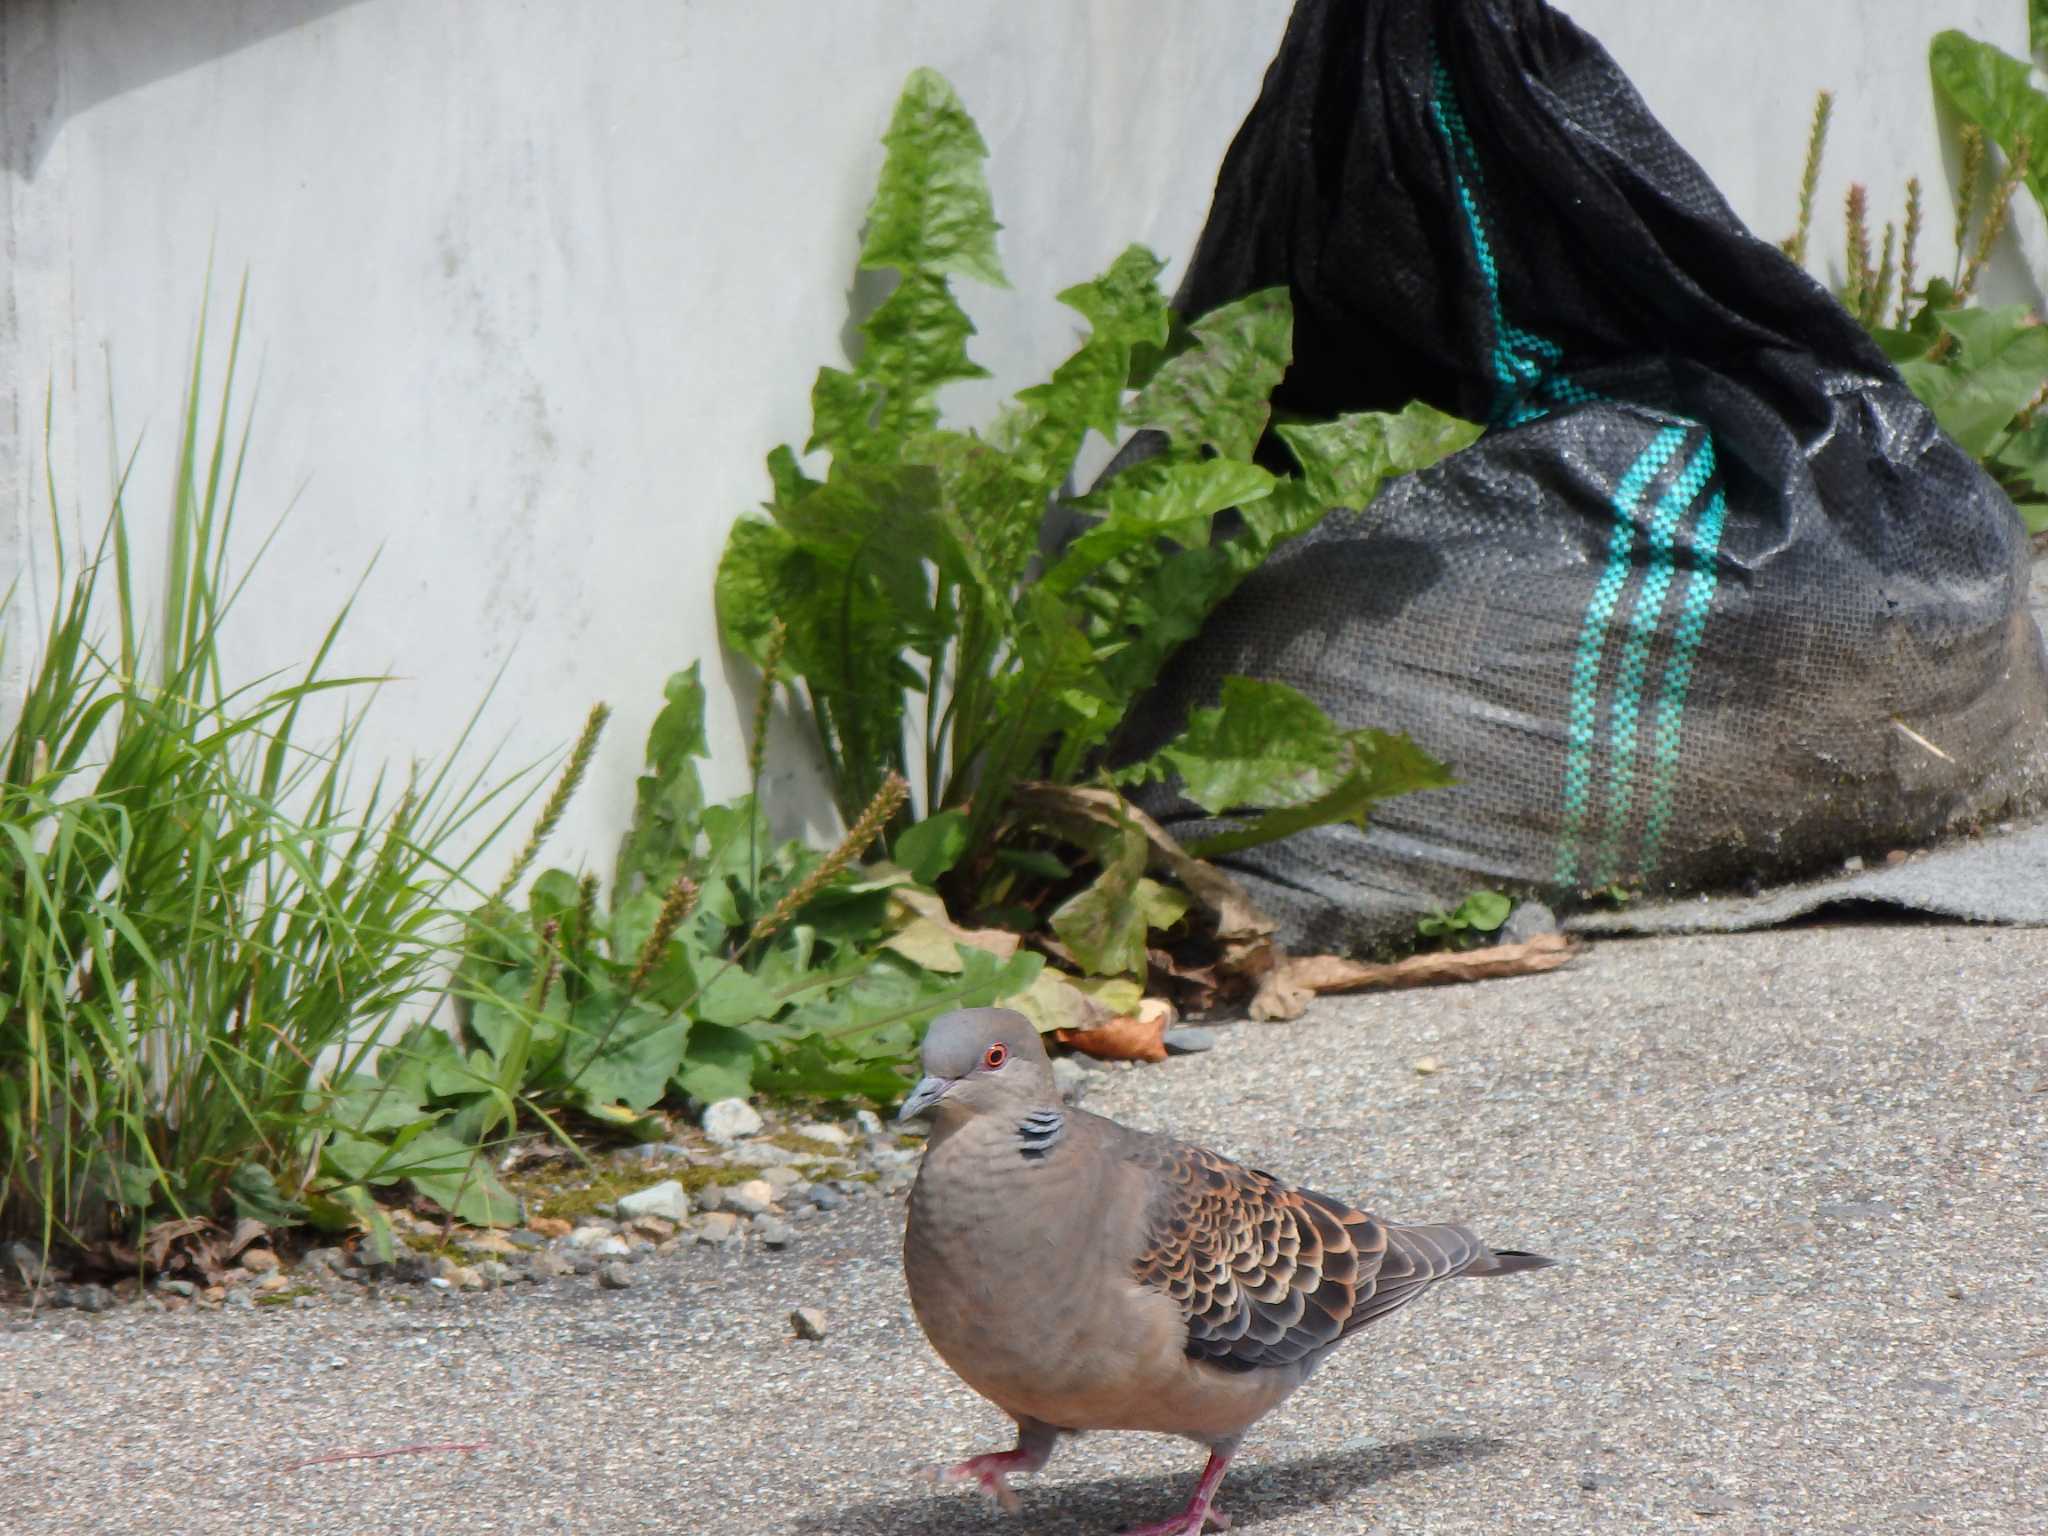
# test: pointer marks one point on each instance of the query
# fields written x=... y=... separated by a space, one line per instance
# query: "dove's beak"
x=928 y=1092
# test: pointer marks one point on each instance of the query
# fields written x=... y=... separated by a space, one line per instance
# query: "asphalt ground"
x=1797 y=1181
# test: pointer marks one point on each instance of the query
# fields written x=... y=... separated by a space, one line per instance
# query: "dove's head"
x=981 y=1061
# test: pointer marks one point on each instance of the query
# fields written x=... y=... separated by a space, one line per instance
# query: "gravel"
x=1796 y=1180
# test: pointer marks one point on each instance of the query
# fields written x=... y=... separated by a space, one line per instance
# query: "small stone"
x=824 y=1198
x=807 y=1323
x=525 y=1239
x=590 y=1236
x=26 y=1262
x=411 y=1268
x=1853 y=864
x=612 y=1246
x=1593 y=1482
x=241 y=1301
x=751 y=1198
x=1187 y=1039
x=780 y=1179
x=663 y=1250
x=654 y=1229
x=718 y=1227
x=319 y=1260
x=729 y=1119
x=271 y=1283
x=495 y=1274
x=259 y=1261
x=1529 y=920
x=177 y=1287
x=758 y=1154
x=773 y=1232
x=466 y=1279
x=91 y=1298
x=666 y=1200
x=549 y=1265
x=1897 y=856
x=869 y=1123
x=215 y=1294
x=831 y=1135
x=710 y=1198
x=477 y=1244
x=1427 y=1066
x=549 y=1226
x=1070 y=1078
x=614 y=1276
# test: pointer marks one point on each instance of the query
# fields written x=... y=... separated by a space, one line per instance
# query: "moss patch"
x=577 y=1194
x=804 y=1146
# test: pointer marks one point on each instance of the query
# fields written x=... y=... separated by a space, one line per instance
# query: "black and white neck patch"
x=1039 y=1130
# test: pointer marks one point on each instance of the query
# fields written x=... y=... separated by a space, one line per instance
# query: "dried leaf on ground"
x=1127 y=1037
x=1287 y=988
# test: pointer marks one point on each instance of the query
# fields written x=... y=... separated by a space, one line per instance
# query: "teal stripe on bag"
x=1641 y=630
x=1666 y=735
x=1582 y=716
x=1525 y=365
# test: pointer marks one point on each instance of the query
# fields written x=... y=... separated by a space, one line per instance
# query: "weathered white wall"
x=536 y=283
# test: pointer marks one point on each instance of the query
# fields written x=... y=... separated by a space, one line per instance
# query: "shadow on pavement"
x=1110 y=1503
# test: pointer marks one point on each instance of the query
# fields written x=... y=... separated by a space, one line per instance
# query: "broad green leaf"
x=1156 y=500
x=1989 y=87
x=1034 y=861
x=460 y=1179
x=931 y=211
x=253 y=1189
x=668 y=797
x=1161 y=906
x=879 y=1015
x=1104 y=925
x=2037 y=26
x=1383 y=765
x=624 y=1053
x=1996 y=368
x=933 y=846
x=842 y=419
x=916 y=344
x=787 y=476
x=1485 y=910
x=749 y=590
x=2023 y=458
x=1265 y=744
x=1215 y=393
x=1125 y=310
x=1343 y=462
x=718 y=1063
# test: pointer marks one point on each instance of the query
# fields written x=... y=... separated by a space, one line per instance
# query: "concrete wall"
x=535 y=284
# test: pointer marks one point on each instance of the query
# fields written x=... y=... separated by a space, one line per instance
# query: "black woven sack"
x=1713 y=603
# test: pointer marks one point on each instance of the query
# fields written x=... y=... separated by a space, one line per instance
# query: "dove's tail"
x=1507 y=1261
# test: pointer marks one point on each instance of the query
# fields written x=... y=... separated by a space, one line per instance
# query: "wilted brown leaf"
x=1126 y=1037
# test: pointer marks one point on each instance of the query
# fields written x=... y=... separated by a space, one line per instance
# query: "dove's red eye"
x=994 y=1057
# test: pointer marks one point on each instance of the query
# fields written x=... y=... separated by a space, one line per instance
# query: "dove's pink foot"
x=1034 y=1449
x=1201 y=1514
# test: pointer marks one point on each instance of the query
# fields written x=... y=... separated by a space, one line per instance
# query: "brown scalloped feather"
x=1270 y=1275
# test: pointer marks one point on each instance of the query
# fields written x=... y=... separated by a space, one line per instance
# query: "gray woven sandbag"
x=1714 y=602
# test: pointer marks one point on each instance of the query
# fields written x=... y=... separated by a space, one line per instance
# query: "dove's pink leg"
x=1201 y=1512
x=1034 y=1449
